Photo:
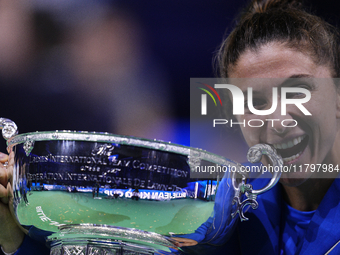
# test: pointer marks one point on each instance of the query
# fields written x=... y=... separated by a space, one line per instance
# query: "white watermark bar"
x=229 y=115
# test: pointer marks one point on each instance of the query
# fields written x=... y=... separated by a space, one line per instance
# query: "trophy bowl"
x=100 y=193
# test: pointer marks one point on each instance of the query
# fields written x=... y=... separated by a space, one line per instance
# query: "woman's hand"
x=3 y=179
x=11 y=234
x=181 y=242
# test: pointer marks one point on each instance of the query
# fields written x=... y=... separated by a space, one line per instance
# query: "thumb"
x=4 y=194
x=3 y=157
x=9 y=190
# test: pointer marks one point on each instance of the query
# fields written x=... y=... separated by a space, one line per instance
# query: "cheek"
x=324 y=117
x=251 y=134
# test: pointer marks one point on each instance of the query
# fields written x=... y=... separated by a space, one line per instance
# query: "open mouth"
x=291 y=150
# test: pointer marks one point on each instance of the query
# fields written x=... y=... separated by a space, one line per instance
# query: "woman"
x=279 y=40
x=14 y=239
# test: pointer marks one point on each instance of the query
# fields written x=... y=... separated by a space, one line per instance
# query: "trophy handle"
x=9 y=128
x=254 y=155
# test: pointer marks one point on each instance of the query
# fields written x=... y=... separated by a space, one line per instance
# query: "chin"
x=292 y=181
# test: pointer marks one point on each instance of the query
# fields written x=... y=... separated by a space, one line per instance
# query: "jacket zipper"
x=332 y=247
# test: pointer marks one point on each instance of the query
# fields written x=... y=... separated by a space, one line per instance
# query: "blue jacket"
x=34 y=243
x=261 y=234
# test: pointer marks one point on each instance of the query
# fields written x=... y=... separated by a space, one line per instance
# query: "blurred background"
x=119 y=66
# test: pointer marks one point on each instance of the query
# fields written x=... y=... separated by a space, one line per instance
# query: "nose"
x=279 y=124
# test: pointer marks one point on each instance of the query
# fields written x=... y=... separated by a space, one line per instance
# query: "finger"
x=3 y=176
x=10 y=190
x=180 y=241
x=11 y=158
x=7 y=193
x=10 y=165
x=3 y=194
x=3 y=157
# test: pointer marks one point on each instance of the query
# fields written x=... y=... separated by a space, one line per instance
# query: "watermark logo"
x=204 y=98
x=277 y=95
x=239 y=101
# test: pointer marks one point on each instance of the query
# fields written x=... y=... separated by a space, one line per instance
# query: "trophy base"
x=99 y=247
x=88 y=239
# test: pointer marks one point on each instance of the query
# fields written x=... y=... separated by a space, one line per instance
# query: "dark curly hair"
x=284 y=21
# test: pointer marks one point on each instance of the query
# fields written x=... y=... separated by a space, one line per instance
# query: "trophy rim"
x=115 y=232
x=101 y=137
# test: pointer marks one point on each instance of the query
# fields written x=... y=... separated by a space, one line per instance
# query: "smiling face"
x=312 y=140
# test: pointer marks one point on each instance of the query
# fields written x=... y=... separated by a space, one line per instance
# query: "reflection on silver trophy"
x=99 y=193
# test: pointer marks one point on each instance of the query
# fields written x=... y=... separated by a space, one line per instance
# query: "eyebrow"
x=301 y=76
x=283 y=83
x=289 y=82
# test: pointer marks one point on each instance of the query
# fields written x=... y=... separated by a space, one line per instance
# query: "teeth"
x=289 y=144
x=285 y=160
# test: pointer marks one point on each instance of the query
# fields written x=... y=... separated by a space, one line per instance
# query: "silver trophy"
x=99 y=193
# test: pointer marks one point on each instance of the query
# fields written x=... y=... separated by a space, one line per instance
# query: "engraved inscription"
x=103 y=150
x=93 y=164
x=130 y=182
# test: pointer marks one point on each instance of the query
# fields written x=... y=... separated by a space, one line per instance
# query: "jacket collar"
x=261 y=234
x=324 y=231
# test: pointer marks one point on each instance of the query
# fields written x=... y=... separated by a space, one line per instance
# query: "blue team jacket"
x=261 y=234
x=34 y=243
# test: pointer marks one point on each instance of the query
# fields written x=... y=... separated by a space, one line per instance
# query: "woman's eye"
x=257 y=104
x=298 y=94
x=303 y=85
x=295 y=95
